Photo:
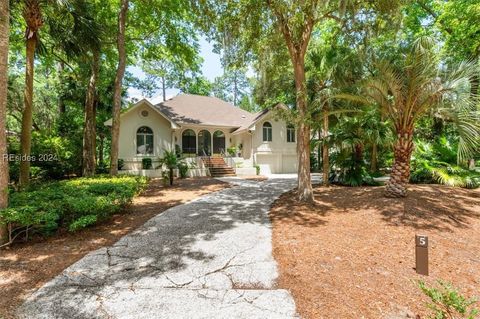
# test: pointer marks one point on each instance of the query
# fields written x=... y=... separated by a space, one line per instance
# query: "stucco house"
x=204 y=128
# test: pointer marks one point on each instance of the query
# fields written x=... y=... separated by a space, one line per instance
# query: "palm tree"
x=81 y=40
x=32 y=11
x=32 y=14
x=171 y=161
x=408 y=91
x=4 y=33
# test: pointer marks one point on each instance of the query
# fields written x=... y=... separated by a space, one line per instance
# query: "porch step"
x=218 y=167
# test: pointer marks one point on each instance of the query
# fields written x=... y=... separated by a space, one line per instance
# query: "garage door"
x=289 y=164
x=269 y=164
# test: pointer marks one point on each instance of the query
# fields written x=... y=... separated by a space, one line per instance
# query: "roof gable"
x=137 y=105
x=204 y=110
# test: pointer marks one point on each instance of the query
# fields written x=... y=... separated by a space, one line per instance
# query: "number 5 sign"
x=421 y=254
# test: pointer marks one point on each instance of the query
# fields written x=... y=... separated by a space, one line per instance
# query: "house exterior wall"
x=130 y=123
x=277 y=156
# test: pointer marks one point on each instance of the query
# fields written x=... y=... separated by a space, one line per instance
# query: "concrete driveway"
x=210 y=258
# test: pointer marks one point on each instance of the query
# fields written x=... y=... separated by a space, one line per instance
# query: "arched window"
x=204 y=143
x=267 y=132
x=189 y=142
x=290 y=134
x=144 y=141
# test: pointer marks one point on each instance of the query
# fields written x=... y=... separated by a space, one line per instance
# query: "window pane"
x=145 y=129
x=149 y=144
x=140 y=144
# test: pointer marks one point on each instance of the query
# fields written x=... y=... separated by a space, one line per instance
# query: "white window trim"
x=136 y=145
x=294 y=134
x=270 y=128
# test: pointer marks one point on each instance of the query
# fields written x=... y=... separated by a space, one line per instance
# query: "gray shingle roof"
x=204 y=110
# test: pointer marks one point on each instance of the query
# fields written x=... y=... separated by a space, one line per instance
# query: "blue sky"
x=211 y=69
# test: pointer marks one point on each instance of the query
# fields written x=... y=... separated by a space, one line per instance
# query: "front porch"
x=199 y=166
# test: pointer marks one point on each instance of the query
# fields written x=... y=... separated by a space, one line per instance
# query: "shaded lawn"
x=27 y=266
x=351 y=255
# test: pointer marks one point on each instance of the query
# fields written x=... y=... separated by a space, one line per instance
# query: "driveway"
x=210 y=258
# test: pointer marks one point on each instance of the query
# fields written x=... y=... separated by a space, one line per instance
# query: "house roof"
x=257 y=117
x=204 y=110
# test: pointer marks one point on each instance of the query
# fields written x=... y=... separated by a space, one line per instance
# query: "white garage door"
x=289 y=164
x=268 y=163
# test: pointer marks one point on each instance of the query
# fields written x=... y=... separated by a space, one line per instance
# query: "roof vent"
x=243 y=116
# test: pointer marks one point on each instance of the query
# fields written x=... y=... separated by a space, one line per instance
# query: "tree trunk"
x=117 y=92
x=358 y=154
x=26 y=133
x=325 y=152
x=235 y=88
x=400 y=176
x=100 y=148
x=374 y=160
x=319 y=150
x=305 y=191
x=171 y=176
x=61 y=104
x=163 y=89
x=4 y=33
x=89 y=129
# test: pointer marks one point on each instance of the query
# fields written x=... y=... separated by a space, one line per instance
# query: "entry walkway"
x=210 y=258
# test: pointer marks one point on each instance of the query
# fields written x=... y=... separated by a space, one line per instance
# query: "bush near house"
x=147 y=163
x=73 y=204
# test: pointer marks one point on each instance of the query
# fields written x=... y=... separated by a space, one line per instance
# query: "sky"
x=211 y=69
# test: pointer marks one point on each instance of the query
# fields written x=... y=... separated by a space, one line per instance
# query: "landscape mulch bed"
x=351 y=254
x=27 y=266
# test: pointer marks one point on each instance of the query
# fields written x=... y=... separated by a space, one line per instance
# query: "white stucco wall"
x=277 y=156
x=130 y=122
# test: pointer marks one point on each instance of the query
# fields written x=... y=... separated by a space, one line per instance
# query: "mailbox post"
x=421 y=254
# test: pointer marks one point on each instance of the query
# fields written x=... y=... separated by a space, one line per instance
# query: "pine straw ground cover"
x=27 y=266
x=351 y=255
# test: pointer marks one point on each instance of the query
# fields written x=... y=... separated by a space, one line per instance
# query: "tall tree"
x=117 y=93
x=232 y=86
x=89 y=130
x=32 y=14
x=296 y=20
x=253 y=23
x=4 y=34
x=407 y=92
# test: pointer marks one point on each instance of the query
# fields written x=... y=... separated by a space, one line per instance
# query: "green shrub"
x=146 y=163
x=183 y=169
x=435 y=163
x=257 y=167
x=83 y=222
x=232 y=151
x=448 y=303
x=53 y=157
x=72 y=204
